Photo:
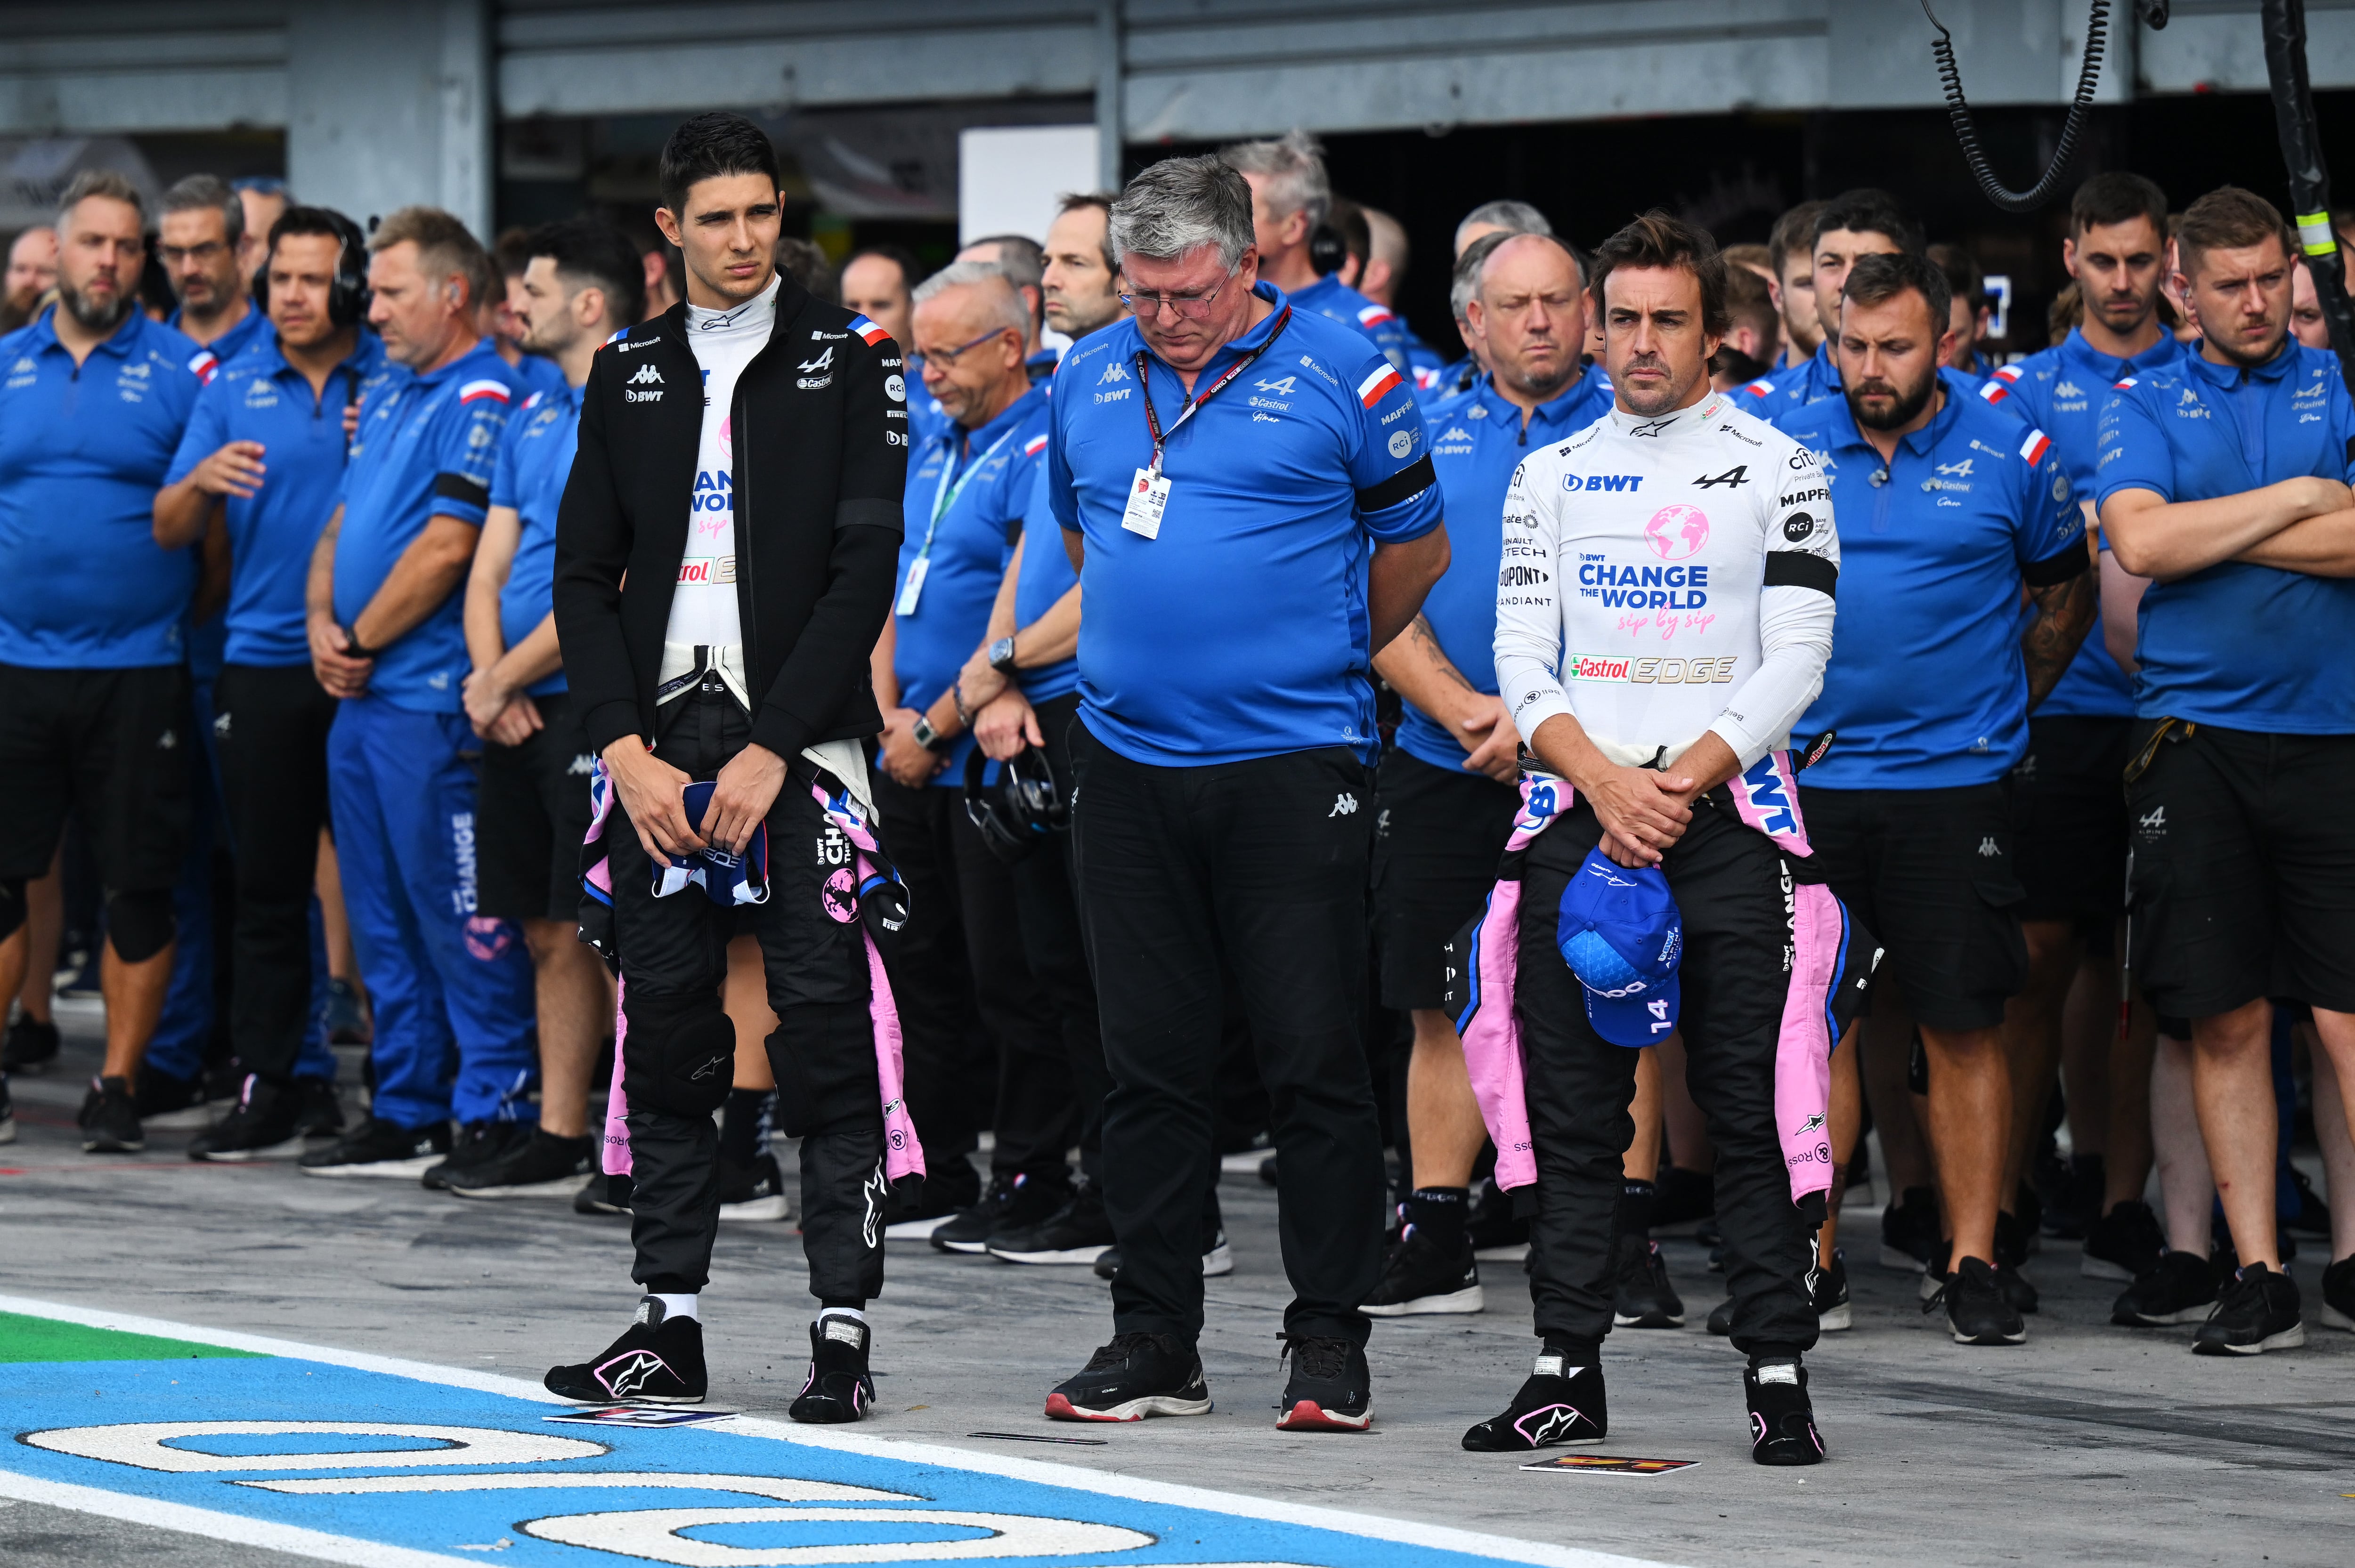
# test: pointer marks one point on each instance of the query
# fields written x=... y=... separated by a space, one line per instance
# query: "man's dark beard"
x=89 y=313
x=1547 y=389
x=2250 y=361
x=1902 y=414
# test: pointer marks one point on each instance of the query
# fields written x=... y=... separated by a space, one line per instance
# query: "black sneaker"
x=1108 y=1262
x=1977 y=1310
x=260 y=1125
x=1641 y=1296
x=1079 y=1232
x=603 y=1194
x=31 y=1046
x=317 y=1112
x=1721 y=1317
x=110 y=1119
x=1011 y=1202
x=2179 y=1288
x=1330 y=1388
x=168 y=1101
x=2256 y=1313
x=1829 y=1289
x=930 y=1202
x=1419 y=1278
x=376 y=1147
x=2337 y=1312
x=347 y=1020
x=1497 y=1234
x=659 y=1360
x=754 y=1191
x=541 y=1164
x=1135 y=1376
x=1909 y=1230
x=478 y=1144
x=2017 y=1288
x=1782 y=1421
x=1558 y=1403
x=7 y=1113
x=2125 y=1243
x=838 y=1387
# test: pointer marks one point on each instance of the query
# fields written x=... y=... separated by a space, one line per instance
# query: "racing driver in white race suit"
x=1663 y=614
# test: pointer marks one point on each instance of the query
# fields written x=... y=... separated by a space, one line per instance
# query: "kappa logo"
x=221 y=727
x=584 y=765
x=1988 y=850
x=1112 y=373
x=2068 y=389
x=647 y=376
x=812 y=366
x=1345 y=806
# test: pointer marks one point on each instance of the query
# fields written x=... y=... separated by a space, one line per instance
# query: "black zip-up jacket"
x=821 y=452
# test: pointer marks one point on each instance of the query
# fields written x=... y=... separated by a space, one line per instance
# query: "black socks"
x=1438 y=1215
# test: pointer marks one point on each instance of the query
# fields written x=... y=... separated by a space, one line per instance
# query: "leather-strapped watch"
x=352 y=649
x=1001 y=655
x=923 y=733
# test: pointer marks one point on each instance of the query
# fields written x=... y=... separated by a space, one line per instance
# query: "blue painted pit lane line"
x=383 y=1463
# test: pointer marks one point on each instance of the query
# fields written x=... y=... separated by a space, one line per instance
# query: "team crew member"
x=384 y=601
x=201 y=241
x=1446 y=801
x=1245 y=489
x=581 y=283
x=1971 y=314
x=966 y=490
x=1024 y=264
x=32 y=273
x=263 y=200
x=721 y=636
x=94 y=681
x=503 y=317
x=1648 y=728
x=2068 y=812
x=1290 y=196
x=264 y=450
x=1499 y=216
x=1023 y=689
x=1948 y=508
x=880 y=283
x=1791 y=257
x=1855 y=223
x=2223 y=479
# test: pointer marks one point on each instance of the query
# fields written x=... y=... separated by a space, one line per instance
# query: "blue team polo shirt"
x=427 y=447
x=1477 y=443
x=259 y=397
x=1926 y=685
x=1335 y=300
x=1045 y=577
x=2239 y=646
x=1793 y=386
x=1242 y=630
x=535 y=373
x=251 y=328
x=82 y=451
x=534 y=462
x=985 y=478
x=2061 y=391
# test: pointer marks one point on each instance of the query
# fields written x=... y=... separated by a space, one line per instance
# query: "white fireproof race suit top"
x=1663 y=577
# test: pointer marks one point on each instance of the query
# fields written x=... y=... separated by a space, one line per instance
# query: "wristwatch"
x=923 y=733
x=1001 y=655
x=352 y=649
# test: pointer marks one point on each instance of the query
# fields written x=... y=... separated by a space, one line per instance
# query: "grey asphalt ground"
x=2091 y=1443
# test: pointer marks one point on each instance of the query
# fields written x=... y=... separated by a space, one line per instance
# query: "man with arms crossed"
x=723 y=565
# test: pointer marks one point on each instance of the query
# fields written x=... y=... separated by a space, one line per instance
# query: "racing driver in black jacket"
x=724 y=561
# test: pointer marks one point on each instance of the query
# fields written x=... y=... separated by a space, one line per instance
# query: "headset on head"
x=347 y=294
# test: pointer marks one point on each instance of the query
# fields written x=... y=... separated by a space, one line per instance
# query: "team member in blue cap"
x=2223 y=478
x=1245 y=489
x=1290 y=196
x=1447 y=799
x=1853 y=224
x=383 y=617
x=1670 y=620
x=93 y=680
x=1949 y=510
x=580 y=284
x=264 y=450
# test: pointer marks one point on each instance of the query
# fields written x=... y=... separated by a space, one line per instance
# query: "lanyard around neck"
x=944 y=494
x=1144 y=392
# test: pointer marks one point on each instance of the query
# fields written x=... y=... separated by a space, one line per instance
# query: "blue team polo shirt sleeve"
x=534 y=462
x=1045 y=578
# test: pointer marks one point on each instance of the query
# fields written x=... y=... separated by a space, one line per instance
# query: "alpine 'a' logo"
x=811 y=366
x=626 y=1376
x=647 y=376
x=1737 y=475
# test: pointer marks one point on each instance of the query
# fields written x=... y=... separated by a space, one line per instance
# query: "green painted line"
x=25 y=1339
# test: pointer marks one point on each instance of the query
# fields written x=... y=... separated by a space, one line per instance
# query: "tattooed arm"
x=1420 y=669
x=2064 y=613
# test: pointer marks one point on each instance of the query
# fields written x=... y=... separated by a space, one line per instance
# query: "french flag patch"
x=474 y=391
x=2123 y=386
x=1375 y=315
x=2033 y=449
x=1995 y=391
x=1426 y=376
x=1035 y=445
x=866 y=331
x=1760 y=387
x=1378 y=384
x=202 y=365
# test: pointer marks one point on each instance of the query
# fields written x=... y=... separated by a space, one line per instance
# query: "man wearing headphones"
x=263 y=456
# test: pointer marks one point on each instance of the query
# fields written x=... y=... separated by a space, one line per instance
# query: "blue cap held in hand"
x=726 y=879
x=1622 y=936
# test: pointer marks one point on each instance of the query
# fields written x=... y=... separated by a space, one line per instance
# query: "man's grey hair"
x=100 y=183
x=1006 y=304
x=1293 y=167
x=1517 y=216
x=1181 y=205
x=199 y=192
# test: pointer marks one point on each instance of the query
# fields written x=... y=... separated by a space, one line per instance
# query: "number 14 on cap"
x=1148 y=498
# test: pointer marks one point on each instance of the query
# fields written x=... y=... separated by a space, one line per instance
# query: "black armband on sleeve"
x=2057 y=568
x=1404 y=485
x=1796 y=569
x=871 y=515
x=458 y=487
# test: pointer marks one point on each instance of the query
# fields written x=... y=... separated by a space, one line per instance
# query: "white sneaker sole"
x=916 y=1230
x=1471 y=1298
x=2198 y=1314
x=2093 y=1267
x=7 y=1129
x=562 y=1187
x=1052 y=1255
x=2327 y=1315
x=1898 y=1258
x=394 y=1169
x=2018 y=1338
x=282 y=1150
x=1132 y=1410
x=1840 y=1317
x=969 y=1248
x=1512 y=1252
x=775 y=1206
x=1218 y=1261
x=2289 y=1339
x=199 y=1115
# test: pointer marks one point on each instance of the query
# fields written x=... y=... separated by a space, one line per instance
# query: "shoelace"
x=1118 y=1353
x=1321 y=1358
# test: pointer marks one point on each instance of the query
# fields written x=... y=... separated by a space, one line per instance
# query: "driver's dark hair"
x=1879 y=278
x=1656 y=239
x=710 y=147
x=1868 y=211
x=2228 y=218
x=2116 y=196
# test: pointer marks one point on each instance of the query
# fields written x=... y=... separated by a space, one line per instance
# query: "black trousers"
x=679 y=1046
x=270 y=729
x=960 y=960
x=1728 y=880
x=1045 y=895
x=1263 y=864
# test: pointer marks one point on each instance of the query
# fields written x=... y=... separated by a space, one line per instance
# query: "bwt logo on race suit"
x=1603 y=482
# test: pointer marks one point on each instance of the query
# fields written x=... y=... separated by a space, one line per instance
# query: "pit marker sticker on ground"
x=362 y=1459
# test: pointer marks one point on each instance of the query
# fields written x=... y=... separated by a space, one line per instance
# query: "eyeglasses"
x=174 y=255
x=944 y=358
x=1191 y=307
